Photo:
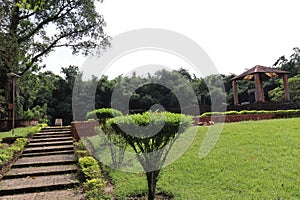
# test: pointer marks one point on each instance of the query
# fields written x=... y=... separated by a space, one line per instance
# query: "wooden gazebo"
x=258 y=74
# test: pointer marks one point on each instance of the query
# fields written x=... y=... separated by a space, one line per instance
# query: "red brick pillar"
x=235 y=93
x=259 y=90
x=286 y=87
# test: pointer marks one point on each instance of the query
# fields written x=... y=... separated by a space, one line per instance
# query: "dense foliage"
x=26 y=38
x=94 y=183
x=293 y=66
x=103 y=114
x=30 y=30
x=8 y=153
x=53 y=93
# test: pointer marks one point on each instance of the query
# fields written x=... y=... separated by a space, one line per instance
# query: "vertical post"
x=235 y=93
x=286 y=87
x=262 y=93
x=13 y=77
x=257 y=83
x=259 y=91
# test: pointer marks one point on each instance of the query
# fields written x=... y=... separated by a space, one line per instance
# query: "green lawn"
x=252 y=160
x=18 y=132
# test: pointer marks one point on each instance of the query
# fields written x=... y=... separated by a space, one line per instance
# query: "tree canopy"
x=30 y=30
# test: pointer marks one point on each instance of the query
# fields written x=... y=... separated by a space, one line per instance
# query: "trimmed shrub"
x=89 y=167
x=158 y=145
x=103 y=114
x=94 y=185
x=277 y=113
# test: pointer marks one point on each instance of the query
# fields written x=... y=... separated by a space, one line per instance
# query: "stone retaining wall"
x=83 y=129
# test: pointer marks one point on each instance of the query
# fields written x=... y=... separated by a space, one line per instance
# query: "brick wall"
x=236 y=118
x=83 y=129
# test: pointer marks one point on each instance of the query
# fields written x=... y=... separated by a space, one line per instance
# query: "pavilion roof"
x=265 y=73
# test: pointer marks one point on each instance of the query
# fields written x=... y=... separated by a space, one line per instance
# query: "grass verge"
x=252 y=160
x=18 y=132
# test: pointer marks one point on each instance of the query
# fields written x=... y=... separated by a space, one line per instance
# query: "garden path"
x=46 y=170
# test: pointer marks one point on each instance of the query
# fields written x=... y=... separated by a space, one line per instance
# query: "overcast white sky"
x=235 y=34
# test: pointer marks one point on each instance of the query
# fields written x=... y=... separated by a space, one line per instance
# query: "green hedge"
x=277 y=113
x=8 y=153
x=94 y=183
x=103 y=114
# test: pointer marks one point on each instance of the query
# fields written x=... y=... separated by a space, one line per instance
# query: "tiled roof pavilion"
x=258 y=74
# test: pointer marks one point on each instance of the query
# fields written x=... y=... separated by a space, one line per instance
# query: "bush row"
x=94 y=183
x=8 y=153
x=37 y=128
x=276 y=113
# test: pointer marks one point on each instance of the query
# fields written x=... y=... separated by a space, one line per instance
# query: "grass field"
x=18 y=132
x=252 y=160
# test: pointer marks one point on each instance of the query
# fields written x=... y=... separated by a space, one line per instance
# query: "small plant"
x=8 y=153
x=81 y=153
x=95 y=184
x=89 y=167
x=37 y=128
x=151 y=150
x=94 y=189
x=79 y=145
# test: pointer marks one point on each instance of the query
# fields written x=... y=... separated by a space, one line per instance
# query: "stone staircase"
x=46 y=169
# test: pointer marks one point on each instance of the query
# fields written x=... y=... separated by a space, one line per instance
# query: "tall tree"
x=292 y=64
x=31 y=29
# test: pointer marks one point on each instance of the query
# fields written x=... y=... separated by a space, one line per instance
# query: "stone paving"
x=52 y=195
x=46 y=170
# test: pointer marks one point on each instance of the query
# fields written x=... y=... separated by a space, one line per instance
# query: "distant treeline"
x=47 y=95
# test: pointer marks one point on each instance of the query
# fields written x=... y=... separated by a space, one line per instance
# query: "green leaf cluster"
x=37 y=112
x=2 y=103
x=37 y=128
x=103 y=114
x=95 y=184
x=8 y=153
x=149 y=120
x=89 y=167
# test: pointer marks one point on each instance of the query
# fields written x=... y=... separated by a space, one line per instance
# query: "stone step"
x=51 y=139
x=48 y=149
x=57 y=152
x=55 y=130
x=50 y=136
x=56 y=194
x=50 y=143
x=45 y=160
x=40 y=171
x=56 y=127
x=38 y=183
x=53 y=133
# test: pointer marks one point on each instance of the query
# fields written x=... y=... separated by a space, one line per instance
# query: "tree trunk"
x=152 y=180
